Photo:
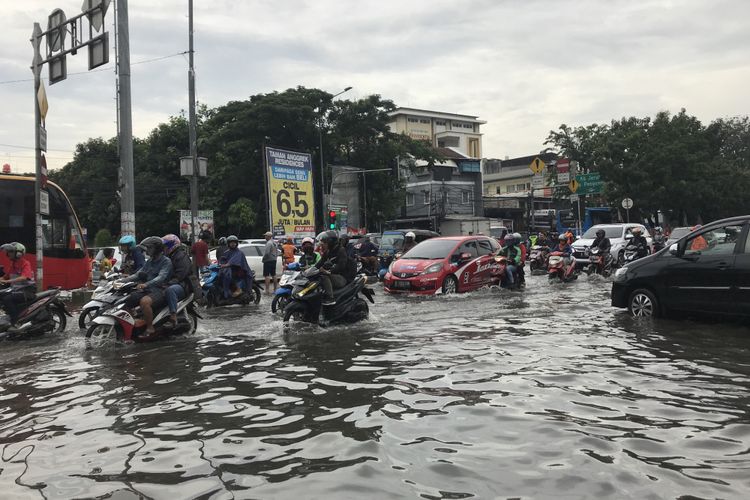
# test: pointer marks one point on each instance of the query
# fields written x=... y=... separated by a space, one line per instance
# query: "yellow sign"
x=574 y=185
x=290 y=189
x=537 y=166
x=41 y=98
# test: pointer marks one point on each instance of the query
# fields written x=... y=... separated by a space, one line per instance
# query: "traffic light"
x=332 y=219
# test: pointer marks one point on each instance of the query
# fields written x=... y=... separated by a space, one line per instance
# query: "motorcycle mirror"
x=628 y=236
x=465 y=256
x=674 y=249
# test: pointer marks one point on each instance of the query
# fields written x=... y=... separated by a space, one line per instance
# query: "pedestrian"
x=288 y=250
x=270 y=259
x=199 y=251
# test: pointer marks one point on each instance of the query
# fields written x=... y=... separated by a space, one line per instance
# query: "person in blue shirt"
x=563 y=246
x=235 y=271
x=152 y=279
x=133 y=259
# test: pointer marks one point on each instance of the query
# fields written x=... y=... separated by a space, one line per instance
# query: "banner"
x=203 y=222
x=290 y=193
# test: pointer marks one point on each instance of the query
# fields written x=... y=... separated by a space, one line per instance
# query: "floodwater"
x=548 y=393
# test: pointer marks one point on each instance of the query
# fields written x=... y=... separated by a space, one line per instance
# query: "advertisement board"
x=203 y=222
x=290 y=192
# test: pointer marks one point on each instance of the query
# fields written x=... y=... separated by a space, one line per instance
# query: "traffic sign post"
x=590 y=183
x=627 y=204
x=537 y=166
x=573 y=185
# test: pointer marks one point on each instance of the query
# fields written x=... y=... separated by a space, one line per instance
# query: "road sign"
x=537 y=182
x=573 y=185
x=573 y=198
x=627 y=203
x=41 y=98
x=42 y=138
x=563 y=164
x=43 y=180
x=563 y=177
x=44 y=202
x=96 y=17
x=590 y=183
x=537 y=166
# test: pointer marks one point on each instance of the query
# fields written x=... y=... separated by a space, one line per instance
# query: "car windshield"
x=609 y=232
x=395 y=240
x=430 y=250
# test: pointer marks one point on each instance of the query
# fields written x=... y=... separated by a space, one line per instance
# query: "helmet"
x=600 y=233
x=410 y=234
x=330 y=238
x=517 y=236
x=222 y=241
x=171 y=241
x=637 y=230
x=308 y=240
x=14 y=250
x=562 y=237
x=232 y=238
x=127 y=241
x=658 y=229
x=509 y=237
x=153 y=246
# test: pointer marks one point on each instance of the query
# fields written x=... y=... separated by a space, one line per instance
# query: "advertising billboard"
x=203 y=222
x=290 y=192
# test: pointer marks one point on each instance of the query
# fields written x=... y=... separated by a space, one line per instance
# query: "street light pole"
x=322 y=162
x=192 y=128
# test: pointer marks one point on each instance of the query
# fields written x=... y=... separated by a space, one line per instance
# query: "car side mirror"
x=674 y=249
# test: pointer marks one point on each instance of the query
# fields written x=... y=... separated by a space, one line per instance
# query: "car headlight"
x=390 y=267
x=435 y=268
x=621 y=273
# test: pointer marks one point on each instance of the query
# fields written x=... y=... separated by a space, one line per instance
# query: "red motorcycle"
x=557 y=268
x=599 y=262
x=538 y=259
x=498 y=270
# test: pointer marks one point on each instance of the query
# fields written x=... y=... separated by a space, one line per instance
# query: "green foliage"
x=672 y=163
x=241 y=214
x=103 y=238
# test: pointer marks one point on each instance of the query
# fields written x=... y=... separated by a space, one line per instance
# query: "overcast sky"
x=524 y=66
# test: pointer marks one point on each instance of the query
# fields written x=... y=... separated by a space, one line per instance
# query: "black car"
x=706 y=271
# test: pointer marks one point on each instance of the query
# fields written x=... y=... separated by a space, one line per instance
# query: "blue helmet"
x=127 y=241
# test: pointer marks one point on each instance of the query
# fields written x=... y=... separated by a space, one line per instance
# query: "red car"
x=446 y=265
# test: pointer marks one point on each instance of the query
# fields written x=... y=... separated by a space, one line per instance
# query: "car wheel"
x=643 y=304
x=450 y=285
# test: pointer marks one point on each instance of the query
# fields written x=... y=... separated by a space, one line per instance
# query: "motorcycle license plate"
x=401 y=284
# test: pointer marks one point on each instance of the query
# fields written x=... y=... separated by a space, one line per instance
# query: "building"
x=448 y=189
x=443 y=130
x=513 y=175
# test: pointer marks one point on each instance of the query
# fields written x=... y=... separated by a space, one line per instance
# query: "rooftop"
x=435 y=114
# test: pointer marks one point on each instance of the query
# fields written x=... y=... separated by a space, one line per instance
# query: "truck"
x=566 y=219
x=464 y=226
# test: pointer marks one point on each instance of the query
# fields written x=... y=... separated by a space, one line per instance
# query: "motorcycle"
x=307 y=297
x=600 y=262
x=214 y=294
x=558 y=269
x=538 y=258
x=105 y=295
x=286 y=283
x=45 y=313
x=501 y=263
x=633 y=253
x=119 y=324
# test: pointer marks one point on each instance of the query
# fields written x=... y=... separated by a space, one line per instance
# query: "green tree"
x=241 y=215
x=103 y=238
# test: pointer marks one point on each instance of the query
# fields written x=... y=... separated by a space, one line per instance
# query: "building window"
x=426 y=197
x=423 y=120
x=465 y=197
x=409 y=199
x=412 y=120
x=520 y=187
x=468 y=125
x=440 y=123
x=528 y=186
x=474 y=148
x=499 y=190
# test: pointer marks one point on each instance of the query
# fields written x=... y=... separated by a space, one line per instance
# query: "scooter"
x=633 y=253
x=212 y=290
x=118 y=323
x=286 y=283
x=105 y=295
x=558 y=269
x=307 y=297
x=45 y=313
x=600 y=262
x=538 y=258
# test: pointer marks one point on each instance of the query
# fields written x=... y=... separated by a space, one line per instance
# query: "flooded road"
x=549 y=393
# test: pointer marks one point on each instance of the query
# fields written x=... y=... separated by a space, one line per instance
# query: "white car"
x=254 y=257
x=618 y=235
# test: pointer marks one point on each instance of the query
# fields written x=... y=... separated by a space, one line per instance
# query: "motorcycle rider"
x=368 y=254
x=234 y=269
x=659 y=238
x=601 y=242
x=512 y=252
x=288 y=250
x=409 y=242
x=178 y=285
x=156 y=272
x=221 y=249
x=133 y=259
x=336 y=270
x=640 y=242
x=20 y=277
x=309 y=256
x=521 y=271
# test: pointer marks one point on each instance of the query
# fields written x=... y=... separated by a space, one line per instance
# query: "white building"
x=444 y=130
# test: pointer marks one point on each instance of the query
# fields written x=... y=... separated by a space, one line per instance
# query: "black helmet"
x=153 y=246
x=222 y=241
x=600 y=233
x=330 y=238
x=232 y=238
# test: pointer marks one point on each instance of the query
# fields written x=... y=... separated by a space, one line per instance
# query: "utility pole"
x=36 y=40
x=192 y=125
x=127 y=201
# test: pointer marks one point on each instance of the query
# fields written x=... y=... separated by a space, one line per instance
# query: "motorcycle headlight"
x=435 y=268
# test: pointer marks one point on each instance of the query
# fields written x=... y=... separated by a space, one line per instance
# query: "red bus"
x=66 y=264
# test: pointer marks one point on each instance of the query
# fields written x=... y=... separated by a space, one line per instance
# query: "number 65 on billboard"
x=290 y=192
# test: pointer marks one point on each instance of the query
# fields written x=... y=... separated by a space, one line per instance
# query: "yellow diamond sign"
x=574 y=185
x=537 y=166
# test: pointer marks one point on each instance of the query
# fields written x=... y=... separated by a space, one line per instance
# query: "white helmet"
x=517 y=236
x=308 y=240
x=410 y=234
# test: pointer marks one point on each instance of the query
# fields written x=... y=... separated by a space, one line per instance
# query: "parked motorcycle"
x=284 y=291
x=118 y=323
x=600 y=262
x=307 y=296
x=538 y=258
x=214 y=294
x=45 y=313
x=558 y=269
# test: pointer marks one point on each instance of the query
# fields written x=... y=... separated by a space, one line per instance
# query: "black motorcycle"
x=44 y=313
x=214 y=293
x=307 y=298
